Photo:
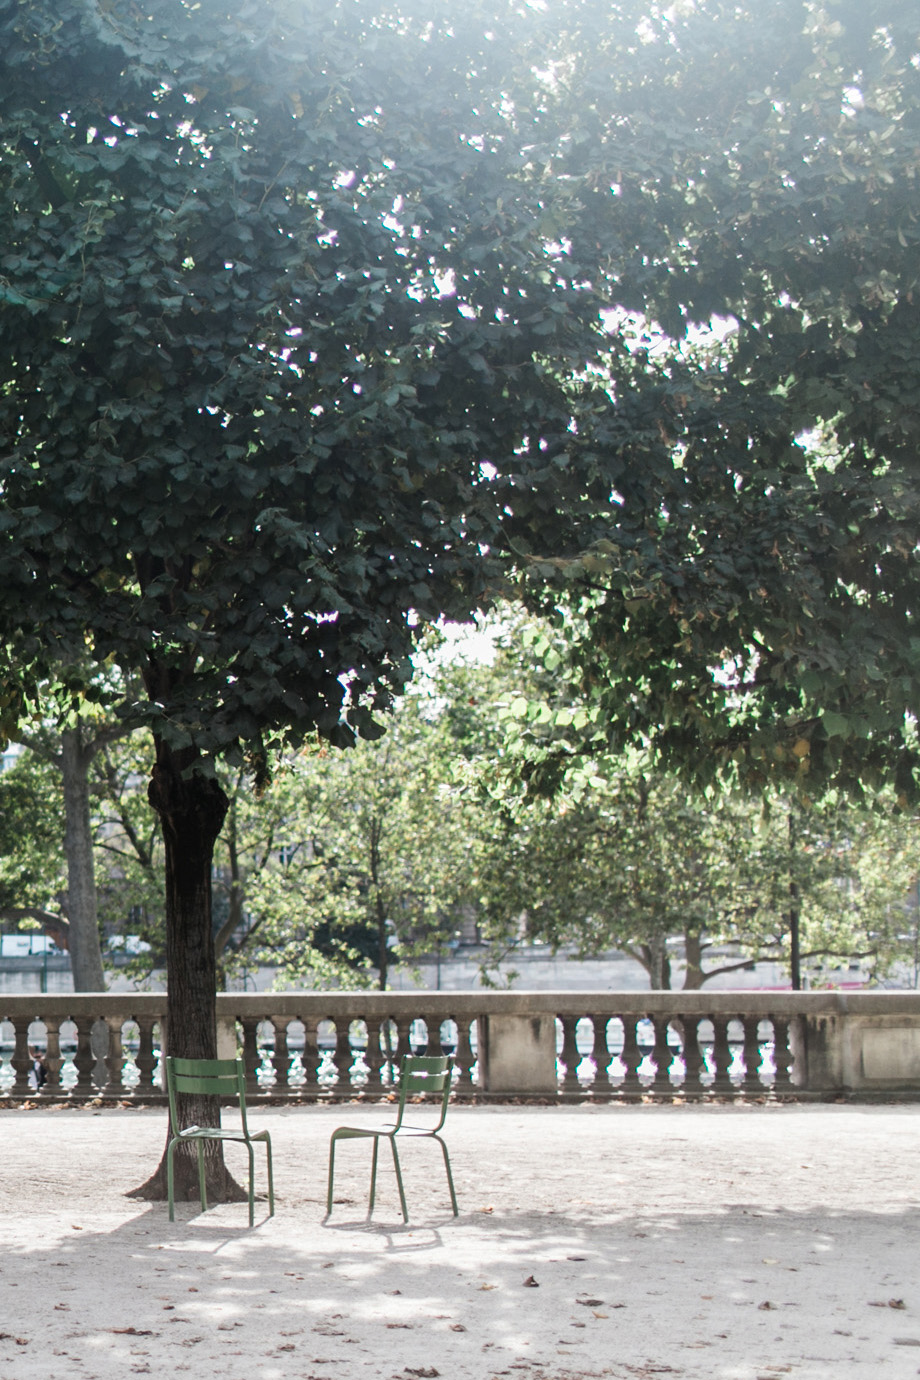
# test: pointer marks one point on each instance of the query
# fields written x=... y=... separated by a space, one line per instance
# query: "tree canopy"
x=274 y=330
x=751 y=170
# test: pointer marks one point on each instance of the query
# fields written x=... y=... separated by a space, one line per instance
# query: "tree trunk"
x=85 y=953
x=693 y=951
x=235 y=897
x=795 y=949
x=383 y=935
x=191 y=807
x=658 y=964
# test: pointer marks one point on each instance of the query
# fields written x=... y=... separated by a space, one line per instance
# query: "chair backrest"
x=222 y=1078
x=422 y=1075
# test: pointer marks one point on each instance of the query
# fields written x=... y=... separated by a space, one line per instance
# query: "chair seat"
x=219 y=1133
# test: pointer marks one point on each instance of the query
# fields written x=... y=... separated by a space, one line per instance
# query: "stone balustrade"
x=542 y=1046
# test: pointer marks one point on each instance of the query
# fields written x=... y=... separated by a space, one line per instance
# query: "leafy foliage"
x=379 y=857
x=32 y=872
x=700 y=888
x=278 y=298
x=751 y=171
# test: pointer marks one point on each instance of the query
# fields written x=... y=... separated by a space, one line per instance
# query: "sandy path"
x=708 y=1243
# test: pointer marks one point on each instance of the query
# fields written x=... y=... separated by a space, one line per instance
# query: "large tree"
x=281 y=285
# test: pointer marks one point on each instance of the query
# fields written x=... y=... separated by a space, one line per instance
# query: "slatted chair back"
x=425 y=1075
x=223 y=1078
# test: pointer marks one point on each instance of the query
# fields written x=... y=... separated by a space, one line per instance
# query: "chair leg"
x=331 y=1176
x=170 y=1174
x=450 y=1177
x=271 y=1182
x=252 y=1189
x=402 y=1196
x=201 y=1188
x=370 y=1205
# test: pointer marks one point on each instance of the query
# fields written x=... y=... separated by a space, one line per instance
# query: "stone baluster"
x=751 y=1053
x=721 y=1056
x=403 y=1023
x=53 y=1059
x=114 y=1059
x=251 y=1056
x=464 y=1057
x=389 y=1038
x=20 y=1062
x=281 y=1059
x=375 y=1058
x=601 y=1086
x=571 y=1089
x=694 y=1059
x=631 y=1057
x=432 y=1033
x=783 y=1058
x=352 y=1054
x=332 y=1056
x=311 y=1057
x=84 y=1059
x=146 y=1059
x=661 y=1057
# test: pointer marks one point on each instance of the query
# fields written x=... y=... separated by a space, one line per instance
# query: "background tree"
x=32 y=864
x=71 y=751
x=702 y=888
x=378 y=859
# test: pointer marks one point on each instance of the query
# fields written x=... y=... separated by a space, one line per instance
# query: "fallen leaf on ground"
x=133 y=1332
x=483 y=1287
x=425 y=1371
x=766 y=1305
x=590 y=1303
x=457 y=1327
x=530 y=1283
x=10 y=1337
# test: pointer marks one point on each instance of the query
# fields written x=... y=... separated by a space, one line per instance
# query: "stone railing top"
x=330 y=1004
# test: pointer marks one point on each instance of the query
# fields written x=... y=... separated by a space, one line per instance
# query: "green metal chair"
x=418 y=1075
x=221 y=1078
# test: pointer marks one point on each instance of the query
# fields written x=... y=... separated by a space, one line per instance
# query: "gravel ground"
x=706 y=1243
